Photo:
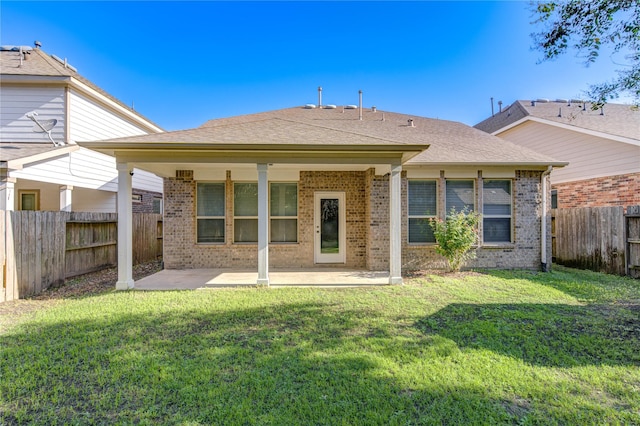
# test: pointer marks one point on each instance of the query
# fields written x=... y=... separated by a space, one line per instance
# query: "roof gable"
x=615 y=120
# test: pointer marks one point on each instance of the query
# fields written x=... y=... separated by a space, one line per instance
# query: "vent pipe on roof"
x=602 y=110
x=319 y=96
x=37 y=44
x=360 y=105
x=492 y=114
x=560 y=112
x=410 y=123
x=500 y=106
x=533 y=103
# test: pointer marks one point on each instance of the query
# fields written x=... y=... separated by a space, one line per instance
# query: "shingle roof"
x=614 y=119
x=38 y=63
x=450 y=142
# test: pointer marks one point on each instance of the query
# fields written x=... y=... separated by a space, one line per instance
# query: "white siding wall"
x=85 y=168
x=588 y=156
x=91 y=121
x=16 y=102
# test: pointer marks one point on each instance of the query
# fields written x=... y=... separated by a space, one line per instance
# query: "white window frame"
x=410 y=216
x=509 y=216
x=286 y=217
x=224 y=219
x=242 y=217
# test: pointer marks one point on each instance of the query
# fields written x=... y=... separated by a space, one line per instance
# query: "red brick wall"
x=620 y=190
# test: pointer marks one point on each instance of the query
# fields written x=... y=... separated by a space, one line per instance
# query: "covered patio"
x=202 y=279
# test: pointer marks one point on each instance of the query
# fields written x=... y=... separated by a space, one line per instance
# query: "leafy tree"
x=587 y=26
x=455 y=236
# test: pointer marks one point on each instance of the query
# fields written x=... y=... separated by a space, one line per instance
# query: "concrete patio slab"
x=193 y=279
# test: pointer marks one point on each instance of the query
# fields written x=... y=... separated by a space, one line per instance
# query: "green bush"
x=456 y=235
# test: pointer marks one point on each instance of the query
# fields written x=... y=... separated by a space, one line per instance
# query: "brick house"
x=602 y=147
x=326 y=186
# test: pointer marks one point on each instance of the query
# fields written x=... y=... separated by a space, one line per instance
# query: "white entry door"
x=330 y=223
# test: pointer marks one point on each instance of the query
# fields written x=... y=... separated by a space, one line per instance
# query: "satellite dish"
x=43 y=126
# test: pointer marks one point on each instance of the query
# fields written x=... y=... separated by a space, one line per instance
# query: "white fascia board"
x=116 y=107
x=569 y=127
x=19 y=163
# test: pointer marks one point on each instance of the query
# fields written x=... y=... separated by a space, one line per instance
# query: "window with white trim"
x=497 y=210
x=460 y=195
x=245 y=212
x=422 y=206
x=210 y=212
x=283 y=212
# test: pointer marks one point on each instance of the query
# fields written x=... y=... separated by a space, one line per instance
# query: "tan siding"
x=16 y=102
x=588 y=156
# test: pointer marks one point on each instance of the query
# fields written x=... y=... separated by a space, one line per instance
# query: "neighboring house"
x=601 y=146
x=46 y=107
x=334 y=187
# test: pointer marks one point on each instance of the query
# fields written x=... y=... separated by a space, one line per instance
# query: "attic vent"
x=410 y=123
x=351 y=107
x=330 y=107
x=309 y=106
x=542 y=100
x=564 y=101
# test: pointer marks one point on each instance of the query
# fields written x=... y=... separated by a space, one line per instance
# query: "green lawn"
x=474 y=348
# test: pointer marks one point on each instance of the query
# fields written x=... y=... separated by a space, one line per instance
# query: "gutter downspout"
x=543 y=225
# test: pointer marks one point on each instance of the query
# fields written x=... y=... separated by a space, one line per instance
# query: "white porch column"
x=125 y=238
x=65 y=198
x=263 y=225
x=7 y=193
x=395 y=228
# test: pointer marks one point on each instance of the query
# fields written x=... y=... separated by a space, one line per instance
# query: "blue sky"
x=182 y=63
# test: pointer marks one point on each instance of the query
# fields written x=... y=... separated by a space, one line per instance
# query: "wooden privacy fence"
x=41 y=249
x=602 y=239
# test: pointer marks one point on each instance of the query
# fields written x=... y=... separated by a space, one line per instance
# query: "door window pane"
x=329 y=226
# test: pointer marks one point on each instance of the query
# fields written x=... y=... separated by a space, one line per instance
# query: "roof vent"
x=543 y=100
x=309 y=106
x=564 y=101
x=410 y=123
x=374 y=109
x=351 y=107
x=330 y=107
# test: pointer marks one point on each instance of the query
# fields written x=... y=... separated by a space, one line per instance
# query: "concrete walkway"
x=192 y=279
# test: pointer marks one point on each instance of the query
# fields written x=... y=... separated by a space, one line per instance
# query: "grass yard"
x=471 y=348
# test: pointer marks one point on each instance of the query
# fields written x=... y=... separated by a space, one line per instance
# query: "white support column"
x=263 y=225
x=7 y=193
x=65 y=198
x=395 y=225
x=125 y=234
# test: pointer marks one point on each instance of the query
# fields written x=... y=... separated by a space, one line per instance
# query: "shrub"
x=455 y=236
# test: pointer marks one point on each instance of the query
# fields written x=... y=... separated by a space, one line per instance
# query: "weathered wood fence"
x=41 y=249
x=602 y=239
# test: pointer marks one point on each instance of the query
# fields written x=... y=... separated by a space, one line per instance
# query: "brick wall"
x=146 y=201
x=182 y=252
x=367 y=220
x=524 y=253
x=620 y=190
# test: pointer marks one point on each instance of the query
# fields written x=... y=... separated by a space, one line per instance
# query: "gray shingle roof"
x=39 y=63
x=617 y=119
x=450 y=142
